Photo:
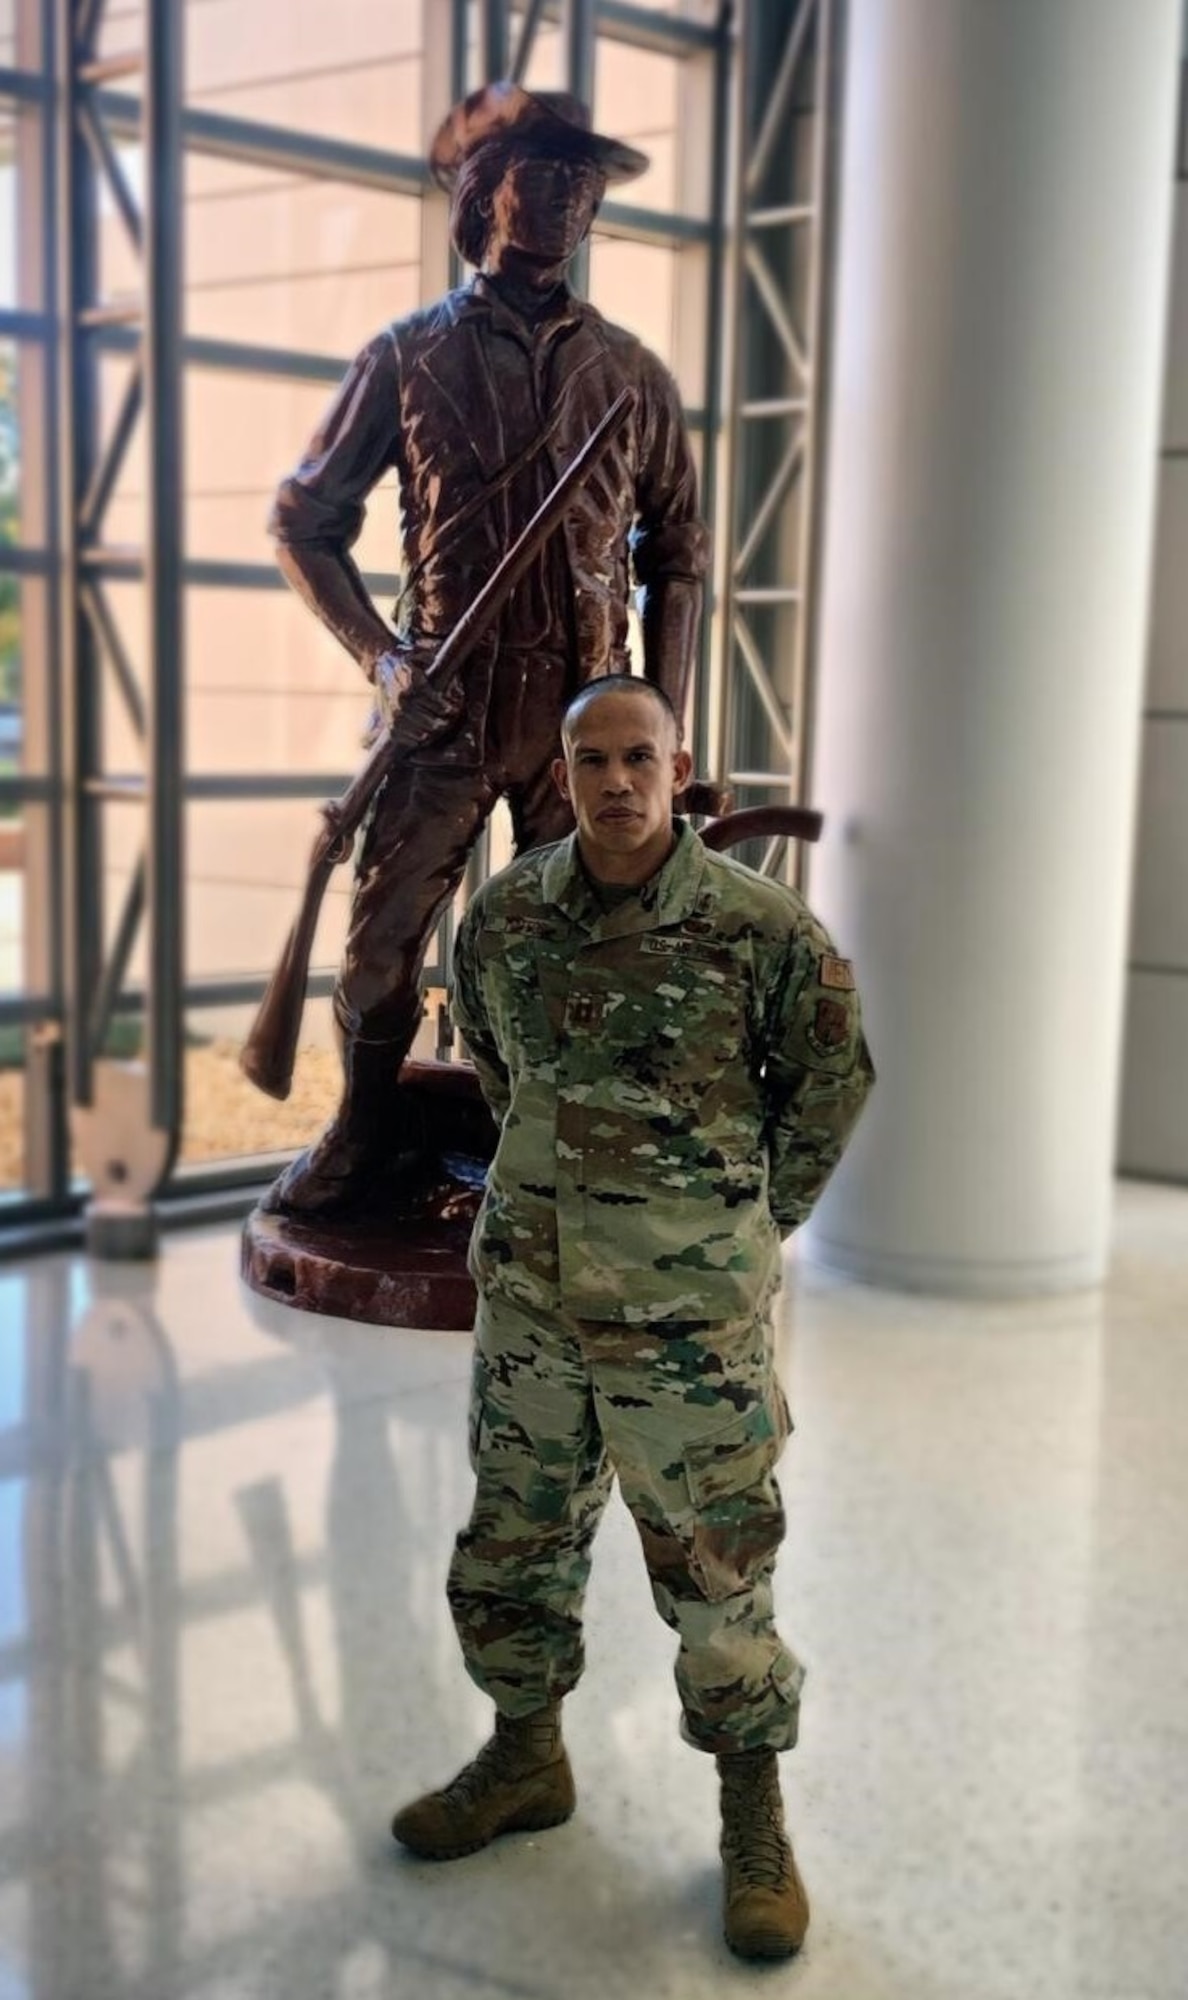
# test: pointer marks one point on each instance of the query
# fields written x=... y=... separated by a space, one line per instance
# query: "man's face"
x=620 y=770
x=543 y=208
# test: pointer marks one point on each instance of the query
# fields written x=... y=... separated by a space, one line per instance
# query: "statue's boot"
x=520 y=1782
x=342 y=1170
x=766 y=1911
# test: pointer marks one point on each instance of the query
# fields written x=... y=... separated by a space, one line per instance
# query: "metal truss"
x=507 y=34
x=132 y=1146
x=782 y=95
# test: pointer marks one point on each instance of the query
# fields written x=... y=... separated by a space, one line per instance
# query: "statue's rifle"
x=271 y=1048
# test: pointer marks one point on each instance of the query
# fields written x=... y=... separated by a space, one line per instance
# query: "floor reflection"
x=225 y=1655
x=145 y=1507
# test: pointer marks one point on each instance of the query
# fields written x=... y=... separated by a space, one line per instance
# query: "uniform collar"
x=669 y=897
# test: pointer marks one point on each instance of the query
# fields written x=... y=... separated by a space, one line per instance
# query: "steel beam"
x=495 y=34
x=82 y=668
x=33 y=322
x=580 y=36
x=24 y=85
x=218 y=136
x=164 y=210
x=258 y=145
x=108 y=990
x=783 y=112
x=647 y=28
x=717 y=266
x=526 y=40
x=107 y=469
x=95 y=651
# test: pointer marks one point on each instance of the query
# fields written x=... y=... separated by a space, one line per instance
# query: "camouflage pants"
x=691 y=1419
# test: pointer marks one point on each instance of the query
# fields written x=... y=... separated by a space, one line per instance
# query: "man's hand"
x=411 y=708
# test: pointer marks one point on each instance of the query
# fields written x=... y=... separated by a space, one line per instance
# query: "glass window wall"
x=308 y=223
x=30 y=908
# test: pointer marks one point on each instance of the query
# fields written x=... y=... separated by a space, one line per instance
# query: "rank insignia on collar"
x=585 y=1010
x=836 y=972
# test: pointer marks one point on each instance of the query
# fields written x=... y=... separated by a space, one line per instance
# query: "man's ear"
x=560 y=772
x=682 y=770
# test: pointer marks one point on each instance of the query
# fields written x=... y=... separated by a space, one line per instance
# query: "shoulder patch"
x=837 y=973
x=830 y=1028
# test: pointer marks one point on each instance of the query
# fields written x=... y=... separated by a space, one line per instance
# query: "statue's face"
x=542 y=209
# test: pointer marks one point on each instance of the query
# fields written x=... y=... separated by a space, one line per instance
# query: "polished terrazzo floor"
x=224 y=1655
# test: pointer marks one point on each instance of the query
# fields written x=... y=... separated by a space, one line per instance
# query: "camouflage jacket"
x=674 y=1081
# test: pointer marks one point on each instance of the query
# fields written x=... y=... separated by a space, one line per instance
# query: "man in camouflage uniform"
x=673 y=1051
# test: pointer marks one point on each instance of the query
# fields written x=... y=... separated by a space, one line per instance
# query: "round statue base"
x=401 y=1259
x=407 y=1274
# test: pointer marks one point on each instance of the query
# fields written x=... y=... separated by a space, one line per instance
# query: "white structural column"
x=1004 y=235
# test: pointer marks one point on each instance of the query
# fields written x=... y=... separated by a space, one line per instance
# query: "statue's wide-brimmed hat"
x=550 y=120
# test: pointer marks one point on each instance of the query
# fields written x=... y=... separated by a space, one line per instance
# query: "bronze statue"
x=479 y=402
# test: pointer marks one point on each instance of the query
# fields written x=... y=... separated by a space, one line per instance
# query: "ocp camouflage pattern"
x=675 y=1079
x=691 y=1419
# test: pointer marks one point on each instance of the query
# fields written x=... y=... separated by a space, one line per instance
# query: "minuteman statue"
x=477 y=403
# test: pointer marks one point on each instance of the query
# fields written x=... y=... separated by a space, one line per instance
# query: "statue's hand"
x=412 y=709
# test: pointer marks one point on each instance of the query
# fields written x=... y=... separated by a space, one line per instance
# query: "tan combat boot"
x=520 y=1782
x=766 y=1909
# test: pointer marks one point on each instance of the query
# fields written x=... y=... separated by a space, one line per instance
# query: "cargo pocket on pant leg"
x=738 y=1514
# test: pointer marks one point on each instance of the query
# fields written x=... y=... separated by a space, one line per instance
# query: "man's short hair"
x=605 y=685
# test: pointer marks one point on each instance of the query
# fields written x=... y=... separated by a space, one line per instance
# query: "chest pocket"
x=694 y=1022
